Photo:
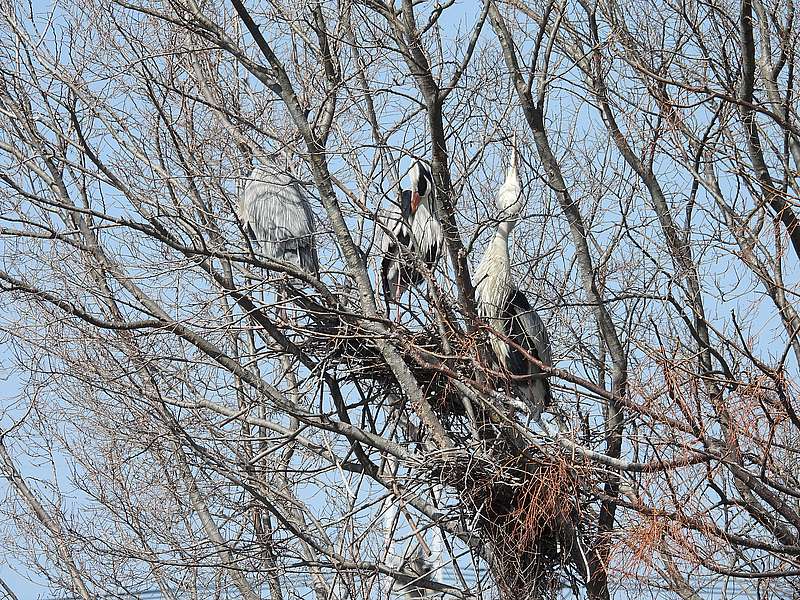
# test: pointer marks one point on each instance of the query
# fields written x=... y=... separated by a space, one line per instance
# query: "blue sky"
x=25 y=583
x=11 y=386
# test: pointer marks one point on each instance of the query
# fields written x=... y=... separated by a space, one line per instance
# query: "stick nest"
x=529 y=506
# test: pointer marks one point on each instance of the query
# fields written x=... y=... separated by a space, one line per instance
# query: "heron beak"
x=415 y=200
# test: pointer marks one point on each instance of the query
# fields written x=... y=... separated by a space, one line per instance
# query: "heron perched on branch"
x=509 y=313
x=279 y=216
x=507 y=309
x=413 y=225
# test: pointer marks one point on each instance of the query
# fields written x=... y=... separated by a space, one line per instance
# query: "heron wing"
x=428 y=236
x=527 y=329
x=274 y=206
x=394 y=231
x=393 y=226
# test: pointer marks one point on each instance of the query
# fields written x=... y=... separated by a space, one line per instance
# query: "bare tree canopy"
x=197 y=416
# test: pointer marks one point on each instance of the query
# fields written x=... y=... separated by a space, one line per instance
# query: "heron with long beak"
x=508 y=311
x=411 y=226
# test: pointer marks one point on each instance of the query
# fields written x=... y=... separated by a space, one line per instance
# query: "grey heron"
x=412 y=223
x=279 y=215
x=508 y=312
x=507 y=309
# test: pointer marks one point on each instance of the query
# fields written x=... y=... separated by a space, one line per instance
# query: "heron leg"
x=282 y=299
x=398 y=299
x=382 y=295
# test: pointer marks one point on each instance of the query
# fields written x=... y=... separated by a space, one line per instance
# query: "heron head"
x=421 y=185
x=509 y=198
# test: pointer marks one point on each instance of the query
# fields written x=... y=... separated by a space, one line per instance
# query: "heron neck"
x=504 y=228
x=500 y=246
x=424 y=209
x=492 y=276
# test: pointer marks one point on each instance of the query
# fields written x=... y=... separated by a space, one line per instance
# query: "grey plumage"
x=410 y=223
x=396 y=273
x=421 y=569
x=507 y=309
x=279 y=216
x=525 y=327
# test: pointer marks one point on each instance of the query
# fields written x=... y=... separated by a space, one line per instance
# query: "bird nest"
x=527 y=502
x=529 y=506
x=357 y=353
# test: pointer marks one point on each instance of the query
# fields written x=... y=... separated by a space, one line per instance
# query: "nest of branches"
x=530 y=506
x=526 y=501
x=357 y=353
